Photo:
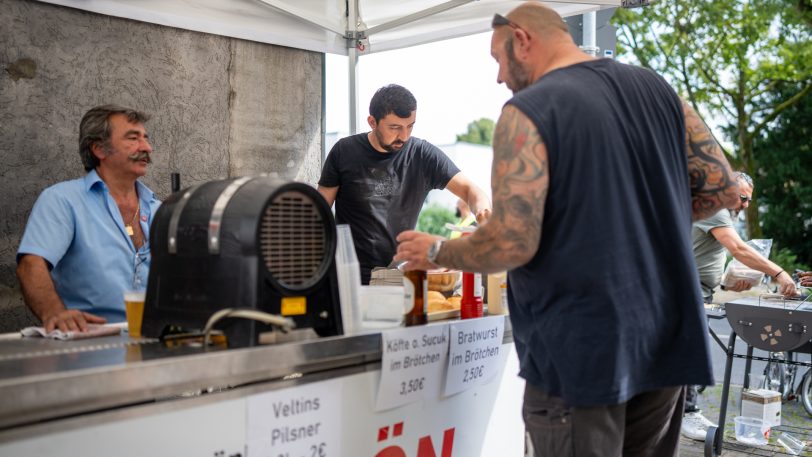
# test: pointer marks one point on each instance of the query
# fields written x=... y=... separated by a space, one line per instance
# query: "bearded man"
x=379 y=179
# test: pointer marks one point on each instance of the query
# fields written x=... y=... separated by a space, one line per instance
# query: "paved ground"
x=795 y=418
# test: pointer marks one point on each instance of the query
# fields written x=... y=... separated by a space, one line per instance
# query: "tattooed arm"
x=511 y=236
x=713 y=185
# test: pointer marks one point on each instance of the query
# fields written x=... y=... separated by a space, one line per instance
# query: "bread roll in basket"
x=442 y=281
x=437 y=302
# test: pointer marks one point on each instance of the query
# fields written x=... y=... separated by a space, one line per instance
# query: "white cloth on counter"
x=93 y=331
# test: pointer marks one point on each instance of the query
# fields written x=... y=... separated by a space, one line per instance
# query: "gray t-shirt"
x=380 y=194
x=709 y=252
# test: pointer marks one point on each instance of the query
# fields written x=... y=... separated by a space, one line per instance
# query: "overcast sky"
x=454 y=82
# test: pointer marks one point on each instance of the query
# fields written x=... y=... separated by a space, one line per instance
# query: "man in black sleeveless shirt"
x=379 y=179
x=593 y=187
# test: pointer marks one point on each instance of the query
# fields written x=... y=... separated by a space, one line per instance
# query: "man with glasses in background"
x=87 y=240
x=712 y=237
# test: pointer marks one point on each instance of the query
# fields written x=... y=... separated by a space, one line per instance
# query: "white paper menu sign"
x=412 y=365
x=473 y=357
x=302 y=421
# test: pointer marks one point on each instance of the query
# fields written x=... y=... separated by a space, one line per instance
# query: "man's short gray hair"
x=95 y=127
x=744 y=177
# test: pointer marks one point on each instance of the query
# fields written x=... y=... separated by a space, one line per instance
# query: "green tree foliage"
x=789 y=261
x=479 y=132
x=725 y=57
x=433 y=218
x=785 y=177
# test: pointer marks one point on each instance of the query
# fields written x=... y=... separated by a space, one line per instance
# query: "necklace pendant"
x=129 y=230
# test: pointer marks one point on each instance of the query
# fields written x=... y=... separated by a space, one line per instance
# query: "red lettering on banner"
x=391 y=451
x=425 y=448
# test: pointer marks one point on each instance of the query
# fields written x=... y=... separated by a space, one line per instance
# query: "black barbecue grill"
x=769 y=323
x=772 y=324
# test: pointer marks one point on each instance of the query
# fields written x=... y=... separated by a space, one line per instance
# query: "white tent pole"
x=589 y=33
x=353 y=89
x=352 y=53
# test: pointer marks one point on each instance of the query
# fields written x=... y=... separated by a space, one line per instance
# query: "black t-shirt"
x=380 y=194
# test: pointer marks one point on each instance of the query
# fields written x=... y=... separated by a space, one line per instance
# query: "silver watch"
x=434 y=250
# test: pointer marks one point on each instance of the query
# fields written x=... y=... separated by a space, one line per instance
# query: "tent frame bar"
x=418 y=15
x=299 y=14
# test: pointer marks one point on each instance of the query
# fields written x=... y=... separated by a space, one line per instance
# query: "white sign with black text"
x=473 y=357
x=412 y=365
x=302 y=421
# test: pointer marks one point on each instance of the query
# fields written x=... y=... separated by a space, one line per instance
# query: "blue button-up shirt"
x=77 y=228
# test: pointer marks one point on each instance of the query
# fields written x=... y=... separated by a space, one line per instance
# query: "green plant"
x=433 y=218
x=787 y=260
x=479 y=132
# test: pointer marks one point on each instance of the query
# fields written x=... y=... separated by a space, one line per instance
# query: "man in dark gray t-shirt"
x=713 y=238
x=379 y=180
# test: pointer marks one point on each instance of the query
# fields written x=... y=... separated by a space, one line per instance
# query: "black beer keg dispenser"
x=253 y=242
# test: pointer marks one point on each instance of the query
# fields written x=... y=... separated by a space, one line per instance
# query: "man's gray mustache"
x=140 y=156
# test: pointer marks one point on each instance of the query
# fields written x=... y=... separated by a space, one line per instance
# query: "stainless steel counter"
x=46 y=380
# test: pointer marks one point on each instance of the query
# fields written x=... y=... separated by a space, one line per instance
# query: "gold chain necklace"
x=129 y=226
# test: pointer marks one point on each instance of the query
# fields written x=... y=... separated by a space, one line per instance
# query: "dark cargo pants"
x=646 y=425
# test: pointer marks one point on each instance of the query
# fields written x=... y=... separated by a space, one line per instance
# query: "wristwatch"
x=434 y=250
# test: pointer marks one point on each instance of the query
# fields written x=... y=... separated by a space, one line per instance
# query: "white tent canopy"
x=321 y=25
x=325 y=25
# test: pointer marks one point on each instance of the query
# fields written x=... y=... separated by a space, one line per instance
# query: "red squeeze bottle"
x=471 y=302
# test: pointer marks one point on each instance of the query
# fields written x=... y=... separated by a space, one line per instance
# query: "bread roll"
x=442 y=282
x=437 y=302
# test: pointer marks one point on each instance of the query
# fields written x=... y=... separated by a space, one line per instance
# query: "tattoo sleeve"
x=519 y=182
x=713 y=185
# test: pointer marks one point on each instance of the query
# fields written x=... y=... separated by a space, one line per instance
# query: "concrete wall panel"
x=220 y=107
x=275 y=83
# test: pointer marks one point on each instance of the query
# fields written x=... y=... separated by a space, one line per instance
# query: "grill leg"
x=748 y=363
x=720 y=432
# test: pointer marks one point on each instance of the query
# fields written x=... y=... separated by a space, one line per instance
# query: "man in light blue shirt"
x=87 y=240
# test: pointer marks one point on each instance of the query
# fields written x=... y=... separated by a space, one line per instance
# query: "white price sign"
x=303 y=421
x=412 y=364
x=473 y=357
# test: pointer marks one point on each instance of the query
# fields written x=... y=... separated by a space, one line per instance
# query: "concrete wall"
x=220 y=107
